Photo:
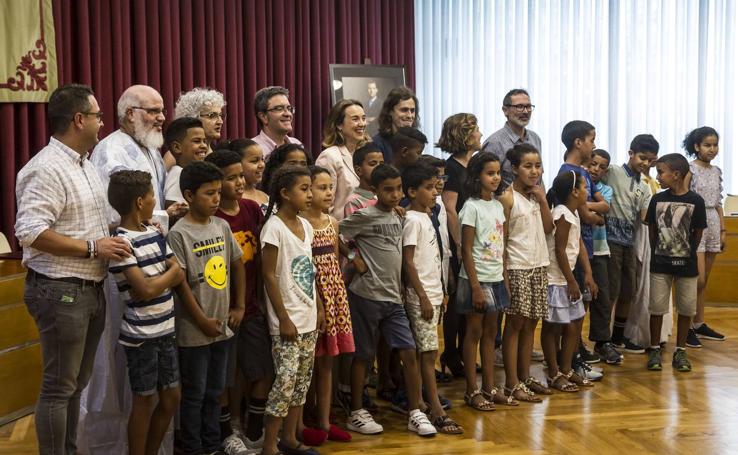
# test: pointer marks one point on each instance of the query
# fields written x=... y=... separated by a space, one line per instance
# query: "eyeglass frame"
x=151 y=110
x=213 y=115
x=520 y=108
x=280 y=109
x=98 y=114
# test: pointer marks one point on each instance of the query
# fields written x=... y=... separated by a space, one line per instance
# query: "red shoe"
x=314 y=436
x=337 y=434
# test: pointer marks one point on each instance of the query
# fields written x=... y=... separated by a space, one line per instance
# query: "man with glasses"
x=135 y=146
x=274 y=113
x=517 y=108
x=62 y=225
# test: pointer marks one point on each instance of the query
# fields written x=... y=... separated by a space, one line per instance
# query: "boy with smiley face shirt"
x=205 y=319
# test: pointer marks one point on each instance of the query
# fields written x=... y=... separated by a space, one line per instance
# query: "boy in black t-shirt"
x=675 y=218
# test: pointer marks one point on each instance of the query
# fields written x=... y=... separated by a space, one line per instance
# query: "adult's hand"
x=113 y=248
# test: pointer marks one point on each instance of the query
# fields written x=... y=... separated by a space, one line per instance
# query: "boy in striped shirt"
x=145 y=281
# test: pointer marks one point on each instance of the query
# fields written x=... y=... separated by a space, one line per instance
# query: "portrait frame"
x=359 y=82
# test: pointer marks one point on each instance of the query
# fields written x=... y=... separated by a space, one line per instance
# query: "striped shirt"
x=151 y=319
x=59 y=189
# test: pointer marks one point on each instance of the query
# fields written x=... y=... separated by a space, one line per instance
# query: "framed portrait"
x=368 y=84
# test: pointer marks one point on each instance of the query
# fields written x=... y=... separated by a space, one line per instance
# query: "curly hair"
x=695 y=138
x=396 y=95
x=191 y=103
x=456 y=132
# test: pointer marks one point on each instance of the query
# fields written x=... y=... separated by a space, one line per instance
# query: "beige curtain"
x=28 y=71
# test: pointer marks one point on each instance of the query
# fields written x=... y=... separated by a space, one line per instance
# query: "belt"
x=67 y=279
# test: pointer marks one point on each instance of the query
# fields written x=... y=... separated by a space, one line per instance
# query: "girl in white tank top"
x=529 y=220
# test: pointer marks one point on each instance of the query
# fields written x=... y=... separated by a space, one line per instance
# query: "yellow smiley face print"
x=216 y=274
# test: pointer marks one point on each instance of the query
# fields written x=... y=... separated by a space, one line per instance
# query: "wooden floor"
x=632 y=411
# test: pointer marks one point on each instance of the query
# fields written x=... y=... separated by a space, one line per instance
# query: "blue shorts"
x=153 y=366
x=495 y=293
x=369 y=317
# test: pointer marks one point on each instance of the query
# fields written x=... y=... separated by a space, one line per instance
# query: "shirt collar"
x=513 y=136
x=73 y=155
x=635 y=176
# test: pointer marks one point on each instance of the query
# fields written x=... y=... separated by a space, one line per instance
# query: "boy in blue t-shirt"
x=601 y=308
x=144 y=281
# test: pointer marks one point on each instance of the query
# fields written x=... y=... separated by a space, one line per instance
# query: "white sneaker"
x=254 y=445
x=360 y=421
x=233 y=445
x=419 y=423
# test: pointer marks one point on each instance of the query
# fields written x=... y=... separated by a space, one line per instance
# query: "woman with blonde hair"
x=343 y=133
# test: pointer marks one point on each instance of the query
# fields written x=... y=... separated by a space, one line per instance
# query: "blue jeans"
x=70 y=319
x=203 y=376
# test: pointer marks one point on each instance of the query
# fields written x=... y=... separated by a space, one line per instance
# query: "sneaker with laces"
x=654 y=359
x=584 y=370
x=680 y=361
x=633 y=348
x=233 y=445
x=254 y=446
x=587 y=356
x=418 y=422
x=360 y=421
x=608 y=353
x=692 y=340
x=706 y=332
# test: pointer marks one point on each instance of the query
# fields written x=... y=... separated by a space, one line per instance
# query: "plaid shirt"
x=60 y=190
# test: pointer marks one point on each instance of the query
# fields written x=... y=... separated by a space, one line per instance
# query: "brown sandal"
x=562 y=384
x=482 y=404
x=537 y=386
x=522 y=393
x=445 y=425
x=573 y=376
x=497 y=397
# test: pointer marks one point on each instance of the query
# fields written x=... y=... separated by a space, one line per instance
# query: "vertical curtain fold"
x=626 y=66
x=235 y=46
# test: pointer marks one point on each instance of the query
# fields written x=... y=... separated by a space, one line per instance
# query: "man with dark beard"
x=135 y=146
x=517 y=108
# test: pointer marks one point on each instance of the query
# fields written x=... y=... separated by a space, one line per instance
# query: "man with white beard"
x=106 y=402
x=135 y=146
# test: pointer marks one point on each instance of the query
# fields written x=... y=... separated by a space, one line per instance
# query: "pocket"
x=61 y=303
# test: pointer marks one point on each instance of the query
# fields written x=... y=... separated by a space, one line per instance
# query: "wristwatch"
x=351 y=255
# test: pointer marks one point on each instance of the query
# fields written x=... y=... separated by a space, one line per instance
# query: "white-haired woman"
x=205 y=104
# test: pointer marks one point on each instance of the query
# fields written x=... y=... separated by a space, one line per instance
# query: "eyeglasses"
x=281 y=109
x=522 y=107
x=214 y=115
x=98 y=114
x=155 y=111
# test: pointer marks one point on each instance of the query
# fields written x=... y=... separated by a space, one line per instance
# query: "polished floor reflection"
x=632 y=411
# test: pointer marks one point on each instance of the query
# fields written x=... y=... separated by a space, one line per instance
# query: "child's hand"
x=723 y=236
x=360 y=265
x=537 y=193
x=574 y=293
x=400 y=211
x=600 y=220
x=426 y=309
x=478 y=297
x=210 y=327
x=235 y=316
x=321 y=321
x=287 y=330
x=444 y=305
x=590 y=284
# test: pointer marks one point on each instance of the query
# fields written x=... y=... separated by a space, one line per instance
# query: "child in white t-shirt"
x=295 y=313
x=424 y=294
